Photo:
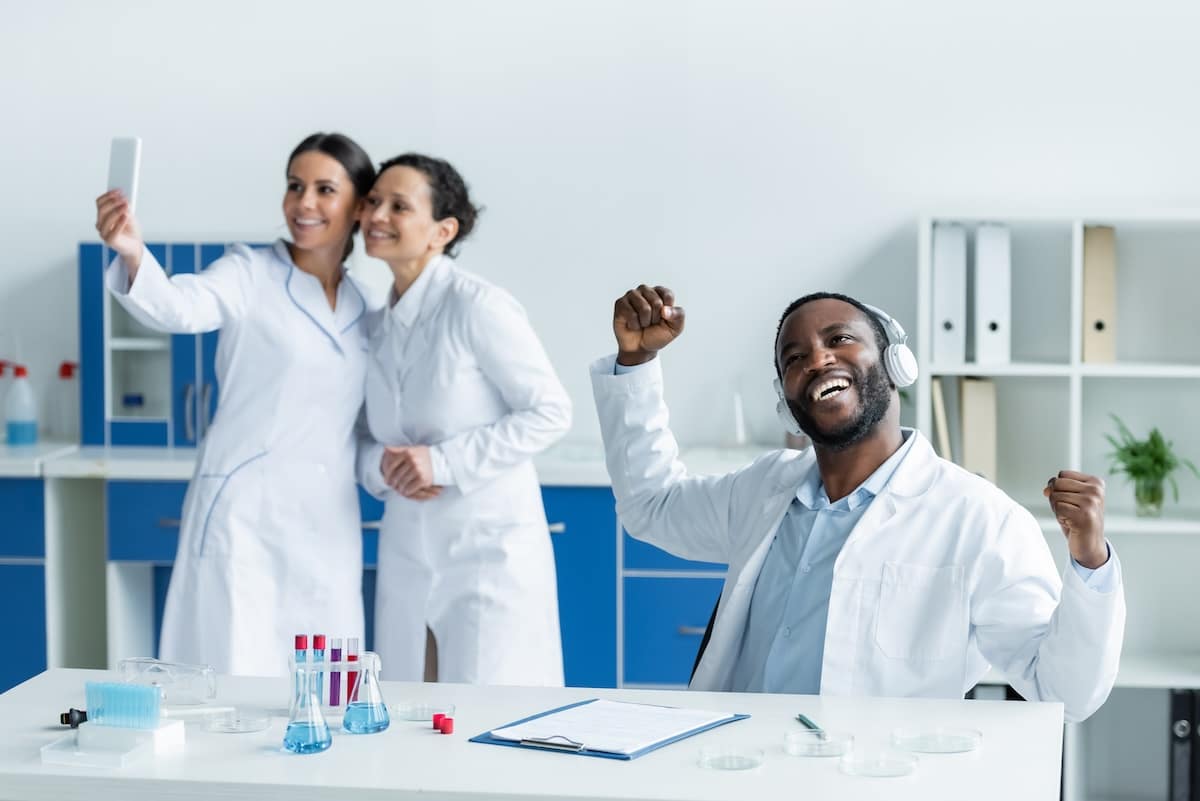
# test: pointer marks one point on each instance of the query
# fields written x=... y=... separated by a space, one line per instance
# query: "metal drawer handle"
x=691 y=631
x=372 y=525
x=558 y=528
x=189 y=413
x=169 y=522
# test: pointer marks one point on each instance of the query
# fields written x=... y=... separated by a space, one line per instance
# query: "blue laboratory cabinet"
x=23 y=578
x=139 y=386
x=143 y=526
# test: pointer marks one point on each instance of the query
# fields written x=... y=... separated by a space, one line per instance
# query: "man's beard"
x=875 y=396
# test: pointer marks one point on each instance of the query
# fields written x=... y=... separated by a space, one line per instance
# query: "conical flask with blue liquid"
x=366 y=713
x=307 y=731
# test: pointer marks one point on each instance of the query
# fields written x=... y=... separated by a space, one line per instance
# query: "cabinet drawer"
x=143 y=520
x=22 y=504
x=664 y=623
x=644 y=556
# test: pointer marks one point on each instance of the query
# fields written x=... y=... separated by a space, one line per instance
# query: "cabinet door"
x=91 y=343
x=583 y=525
x=143 y=520
x=23 y=587
x=665 y=620
x=22 y=504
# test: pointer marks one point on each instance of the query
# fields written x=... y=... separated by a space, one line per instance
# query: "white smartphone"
x=124 y=160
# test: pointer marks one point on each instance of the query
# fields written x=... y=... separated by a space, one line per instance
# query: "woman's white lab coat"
x=942 y=576
x=271 y=539
x=455 y=365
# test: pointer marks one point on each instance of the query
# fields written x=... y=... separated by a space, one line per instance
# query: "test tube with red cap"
x=352 y=675
x=319 y=657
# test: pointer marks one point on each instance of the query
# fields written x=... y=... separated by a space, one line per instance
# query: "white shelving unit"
x=1053 y=412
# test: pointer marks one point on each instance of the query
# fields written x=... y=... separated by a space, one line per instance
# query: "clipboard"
x=563 y=745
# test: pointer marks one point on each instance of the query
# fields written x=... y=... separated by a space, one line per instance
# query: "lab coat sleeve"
x=189 y=303
x=1055 y=640
x=509 y=354
x=368 y=458
x=657 y=500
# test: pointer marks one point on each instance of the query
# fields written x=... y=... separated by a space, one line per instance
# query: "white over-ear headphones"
x=898 y=361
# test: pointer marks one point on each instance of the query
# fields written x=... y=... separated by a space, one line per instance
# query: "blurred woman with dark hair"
x=462 y=394
x=271 y=541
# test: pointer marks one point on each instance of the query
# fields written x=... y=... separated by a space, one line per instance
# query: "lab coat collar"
x=306 y=293
x=406 y=309
x=812 y=492
x=913 y=474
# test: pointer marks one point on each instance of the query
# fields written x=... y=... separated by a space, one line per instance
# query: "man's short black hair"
x=881 y=337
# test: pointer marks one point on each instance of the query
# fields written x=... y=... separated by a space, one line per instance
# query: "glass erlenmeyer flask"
x=307 y=732
x=366 y=713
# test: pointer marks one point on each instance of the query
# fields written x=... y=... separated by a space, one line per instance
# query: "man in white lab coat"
x=865 y=565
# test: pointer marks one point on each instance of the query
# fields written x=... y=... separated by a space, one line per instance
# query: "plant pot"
x=1149 y=495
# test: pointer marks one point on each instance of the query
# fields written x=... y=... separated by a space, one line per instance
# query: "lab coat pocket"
x=922 y=611
x=228 y=505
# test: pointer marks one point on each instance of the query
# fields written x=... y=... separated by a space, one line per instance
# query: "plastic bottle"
x=64 y=404
x=20 y=409
x=4 y=383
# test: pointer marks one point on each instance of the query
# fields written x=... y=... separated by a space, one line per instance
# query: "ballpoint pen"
x=811 y=725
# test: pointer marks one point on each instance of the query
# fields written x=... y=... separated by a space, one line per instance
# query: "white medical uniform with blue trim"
x=271 y=540
x=456 y=365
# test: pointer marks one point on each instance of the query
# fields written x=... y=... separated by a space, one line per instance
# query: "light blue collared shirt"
x=785 y=636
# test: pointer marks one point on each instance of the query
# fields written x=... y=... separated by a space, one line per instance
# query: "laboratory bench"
x=1019 y=757
x=90 y=536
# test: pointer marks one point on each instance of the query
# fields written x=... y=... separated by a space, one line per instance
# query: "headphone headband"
x=891 y=326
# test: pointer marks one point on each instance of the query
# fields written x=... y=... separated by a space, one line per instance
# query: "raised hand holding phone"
x=115 y=220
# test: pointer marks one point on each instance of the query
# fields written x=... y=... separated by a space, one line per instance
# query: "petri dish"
x=937 y=740
x=239 y=720
x=810 y=743
x=724 y=757
x=878 y=763
x=421 y=710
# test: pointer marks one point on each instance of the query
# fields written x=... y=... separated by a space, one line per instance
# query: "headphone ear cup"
x=901 y=365
x=784 y=412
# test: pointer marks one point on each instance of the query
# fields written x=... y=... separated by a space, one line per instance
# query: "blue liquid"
x=22 y=432
x=307 y=738
x=362 y=718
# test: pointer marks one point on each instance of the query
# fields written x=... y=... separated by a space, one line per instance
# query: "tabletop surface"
x=1020 y=755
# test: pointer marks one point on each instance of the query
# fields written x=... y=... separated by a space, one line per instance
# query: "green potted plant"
x=1148 y=463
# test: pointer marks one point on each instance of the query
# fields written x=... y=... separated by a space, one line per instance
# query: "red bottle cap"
x=20 y=371
x=301 y=642
x=447 y=726
x=319 y=642
x=437 y=720
x=3 y=365
x=67 y=369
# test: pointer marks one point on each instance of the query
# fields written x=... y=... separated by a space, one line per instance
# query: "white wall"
x=743 y=153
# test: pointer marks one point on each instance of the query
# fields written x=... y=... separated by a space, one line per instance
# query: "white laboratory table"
x=1019 y=758
x=28 y=461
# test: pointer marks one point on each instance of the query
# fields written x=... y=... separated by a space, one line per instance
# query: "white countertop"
x=27 y=461
x=567 y=465
x=1020 y=757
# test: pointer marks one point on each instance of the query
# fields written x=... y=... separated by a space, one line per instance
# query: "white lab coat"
x=941 y=577
x=271 y=539
x=455 y=365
